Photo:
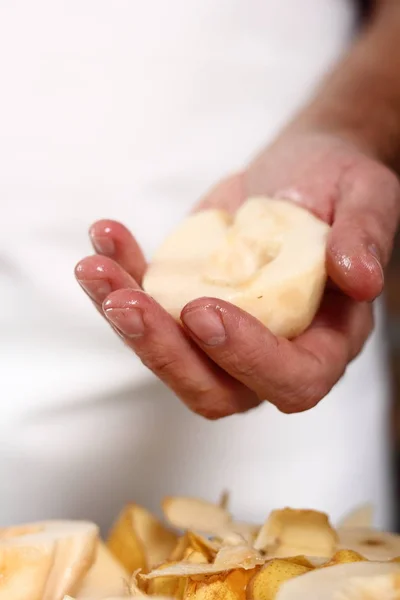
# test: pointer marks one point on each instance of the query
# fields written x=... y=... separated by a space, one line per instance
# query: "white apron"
x=131 y=109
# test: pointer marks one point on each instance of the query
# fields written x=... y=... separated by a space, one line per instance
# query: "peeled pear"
x=45 y=561
x=268 y=259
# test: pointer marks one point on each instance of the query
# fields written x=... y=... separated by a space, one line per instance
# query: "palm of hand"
x=244 y=364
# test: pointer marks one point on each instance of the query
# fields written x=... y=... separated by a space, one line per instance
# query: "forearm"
x=360 y=100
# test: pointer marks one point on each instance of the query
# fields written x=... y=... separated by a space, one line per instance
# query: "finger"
x=339 y=331
x=362 y=235
x=293 y=375
x=163 y=347
x=113 y=239
x=99 y=276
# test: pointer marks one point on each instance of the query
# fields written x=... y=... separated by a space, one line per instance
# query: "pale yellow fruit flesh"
x=268 y=260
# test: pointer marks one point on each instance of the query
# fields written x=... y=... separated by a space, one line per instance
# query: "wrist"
x=372 y=125
x=360 y=100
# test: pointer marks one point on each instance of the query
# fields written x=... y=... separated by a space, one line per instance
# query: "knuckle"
x=212 y=413
x=212 y=404
x=249 y=363
x=164 y=365
x=305 y=399
x=206 y=401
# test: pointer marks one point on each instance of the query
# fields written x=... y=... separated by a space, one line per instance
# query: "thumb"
x=363 y=230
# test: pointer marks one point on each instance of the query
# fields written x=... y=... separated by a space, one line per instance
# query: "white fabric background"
x=130 y=110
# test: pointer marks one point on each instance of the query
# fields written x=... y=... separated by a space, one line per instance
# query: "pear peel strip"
x=186 y=569
x=281 y=532
x=196 y=515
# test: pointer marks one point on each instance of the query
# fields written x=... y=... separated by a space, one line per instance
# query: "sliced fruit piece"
x=362 y=516
x=291 y=532
x=138 y=540
x=373 y=544
x=47 y=559
x=251 y=259
x=107 y=577
x=329 y=583
x=196 y=515
x=266 y=583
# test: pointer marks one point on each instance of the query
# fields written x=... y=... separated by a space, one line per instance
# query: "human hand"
x=222 y=361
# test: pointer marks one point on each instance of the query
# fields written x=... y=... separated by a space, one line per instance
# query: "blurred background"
x=393 y=326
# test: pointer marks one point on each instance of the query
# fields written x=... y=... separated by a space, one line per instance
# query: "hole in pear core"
x=372 y=542
x=239 y=260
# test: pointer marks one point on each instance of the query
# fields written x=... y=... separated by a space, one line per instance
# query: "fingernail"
x=96 y=289
x=373 y=250
x=103 y=245
x=206 y=324
x=128 y=321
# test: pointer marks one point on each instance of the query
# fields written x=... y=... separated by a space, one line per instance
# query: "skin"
x=337 y=159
